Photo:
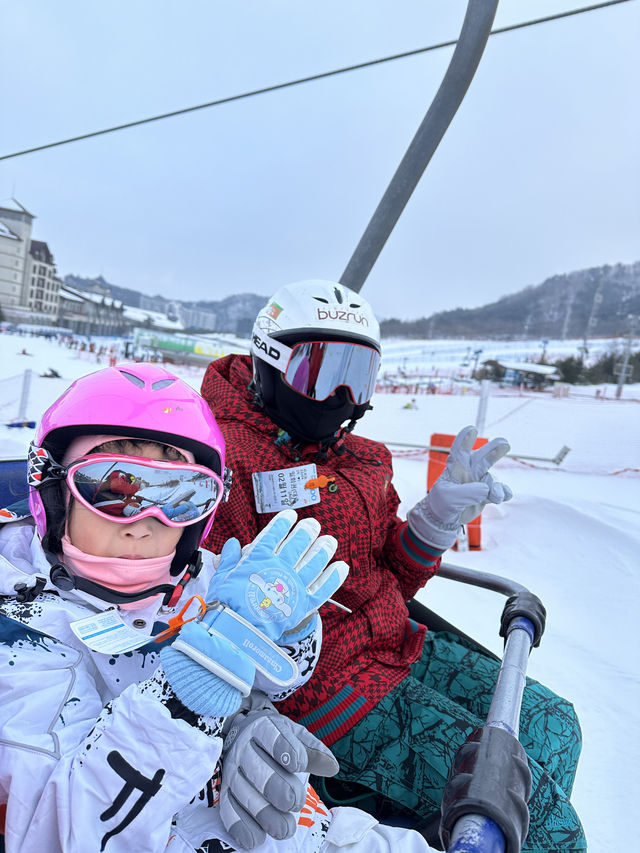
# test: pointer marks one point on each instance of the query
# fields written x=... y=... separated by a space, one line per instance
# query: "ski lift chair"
x=13 y=481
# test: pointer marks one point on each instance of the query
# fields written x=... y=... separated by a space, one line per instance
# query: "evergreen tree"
x=571 y=369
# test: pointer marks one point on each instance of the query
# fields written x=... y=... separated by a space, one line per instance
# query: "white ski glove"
x=461 y=492
x=266 y=759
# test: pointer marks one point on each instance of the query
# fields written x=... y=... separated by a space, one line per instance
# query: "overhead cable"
x=310 y=79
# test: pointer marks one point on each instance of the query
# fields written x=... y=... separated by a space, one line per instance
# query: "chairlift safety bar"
x=476 y=833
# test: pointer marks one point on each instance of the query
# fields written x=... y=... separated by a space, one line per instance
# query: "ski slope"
x=571 y=534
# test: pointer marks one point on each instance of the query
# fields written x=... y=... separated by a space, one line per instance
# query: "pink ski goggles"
x=127 y=488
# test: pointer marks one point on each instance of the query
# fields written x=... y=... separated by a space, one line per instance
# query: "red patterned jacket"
x=368 y=652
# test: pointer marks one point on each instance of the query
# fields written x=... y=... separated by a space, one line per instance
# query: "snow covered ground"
x=571 y=534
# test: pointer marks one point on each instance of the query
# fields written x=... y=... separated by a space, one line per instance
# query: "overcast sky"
x=538 y=174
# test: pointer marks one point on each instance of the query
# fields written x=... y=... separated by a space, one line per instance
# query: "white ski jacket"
x=95 y=751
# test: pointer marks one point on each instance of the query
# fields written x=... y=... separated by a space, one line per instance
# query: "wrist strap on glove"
x=263 y=653
x=188 y=664
x=212 y=663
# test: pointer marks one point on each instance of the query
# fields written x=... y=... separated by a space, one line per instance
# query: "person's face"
x=101 y=537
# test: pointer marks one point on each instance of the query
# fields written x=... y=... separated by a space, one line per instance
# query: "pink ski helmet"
x=140 y=401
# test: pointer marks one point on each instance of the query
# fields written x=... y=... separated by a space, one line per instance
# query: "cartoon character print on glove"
x=281 y=577
x=276 y=595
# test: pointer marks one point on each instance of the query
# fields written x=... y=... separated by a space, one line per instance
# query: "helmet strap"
x=192 y=571
x=42 y=466
x=336 y=442
x=345 y=430
x=254 y=389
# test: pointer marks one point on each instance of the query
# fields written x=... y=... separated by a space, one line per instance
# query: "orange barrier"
x=437 y=462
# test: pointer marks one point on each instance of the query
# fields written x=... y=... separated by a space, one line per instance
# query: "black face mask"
x=305 y=419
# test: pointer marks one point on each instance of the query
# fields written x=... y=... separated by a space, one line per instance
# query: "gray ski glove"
x=461 y=492
x=260 y=793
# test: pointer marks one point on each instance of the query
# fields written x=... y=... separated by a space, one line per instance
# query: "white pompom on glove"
x=461 y=492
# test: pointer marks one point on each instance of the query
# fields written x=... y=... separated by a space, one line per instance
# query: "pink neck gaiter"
x=120 y=574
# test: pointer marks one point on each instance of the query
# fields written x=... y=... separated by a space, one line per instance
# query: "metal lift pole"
x=466 y=57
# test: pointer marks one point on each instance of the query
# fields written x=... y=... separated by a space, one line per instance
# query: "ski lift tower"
x=476 y=355
x=623 y=370
x=544 y=343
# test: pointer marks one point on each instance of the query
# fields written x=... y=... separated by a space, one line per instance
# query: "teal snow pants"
x=403 y=749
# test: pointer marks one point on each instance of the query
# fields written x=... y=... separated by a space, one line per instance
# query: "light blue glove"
x=461 y=492
x=256 y=595
x=207 y=672
x=184 y=511
x=212 y=663
x=281 y=578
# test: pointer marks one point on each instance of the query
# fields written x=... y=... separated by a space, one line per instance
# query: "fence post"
x=481 y=417
x=24 y=397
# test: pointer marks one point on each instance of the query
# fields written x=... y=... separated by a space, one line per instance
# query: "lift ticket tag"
x=285 y=489
x=107 y=633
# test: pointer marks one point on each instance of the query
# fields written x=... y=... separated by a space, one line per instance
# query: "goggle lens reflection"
x=317 y=368
x=127 y=488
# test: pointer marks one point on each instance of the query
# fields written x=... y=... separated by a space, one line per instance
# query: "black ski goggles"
x=128 y=488
x=317 y=368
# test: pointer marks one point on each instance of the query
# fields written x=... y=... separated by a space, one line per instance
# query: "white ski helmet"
x=338 y=381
